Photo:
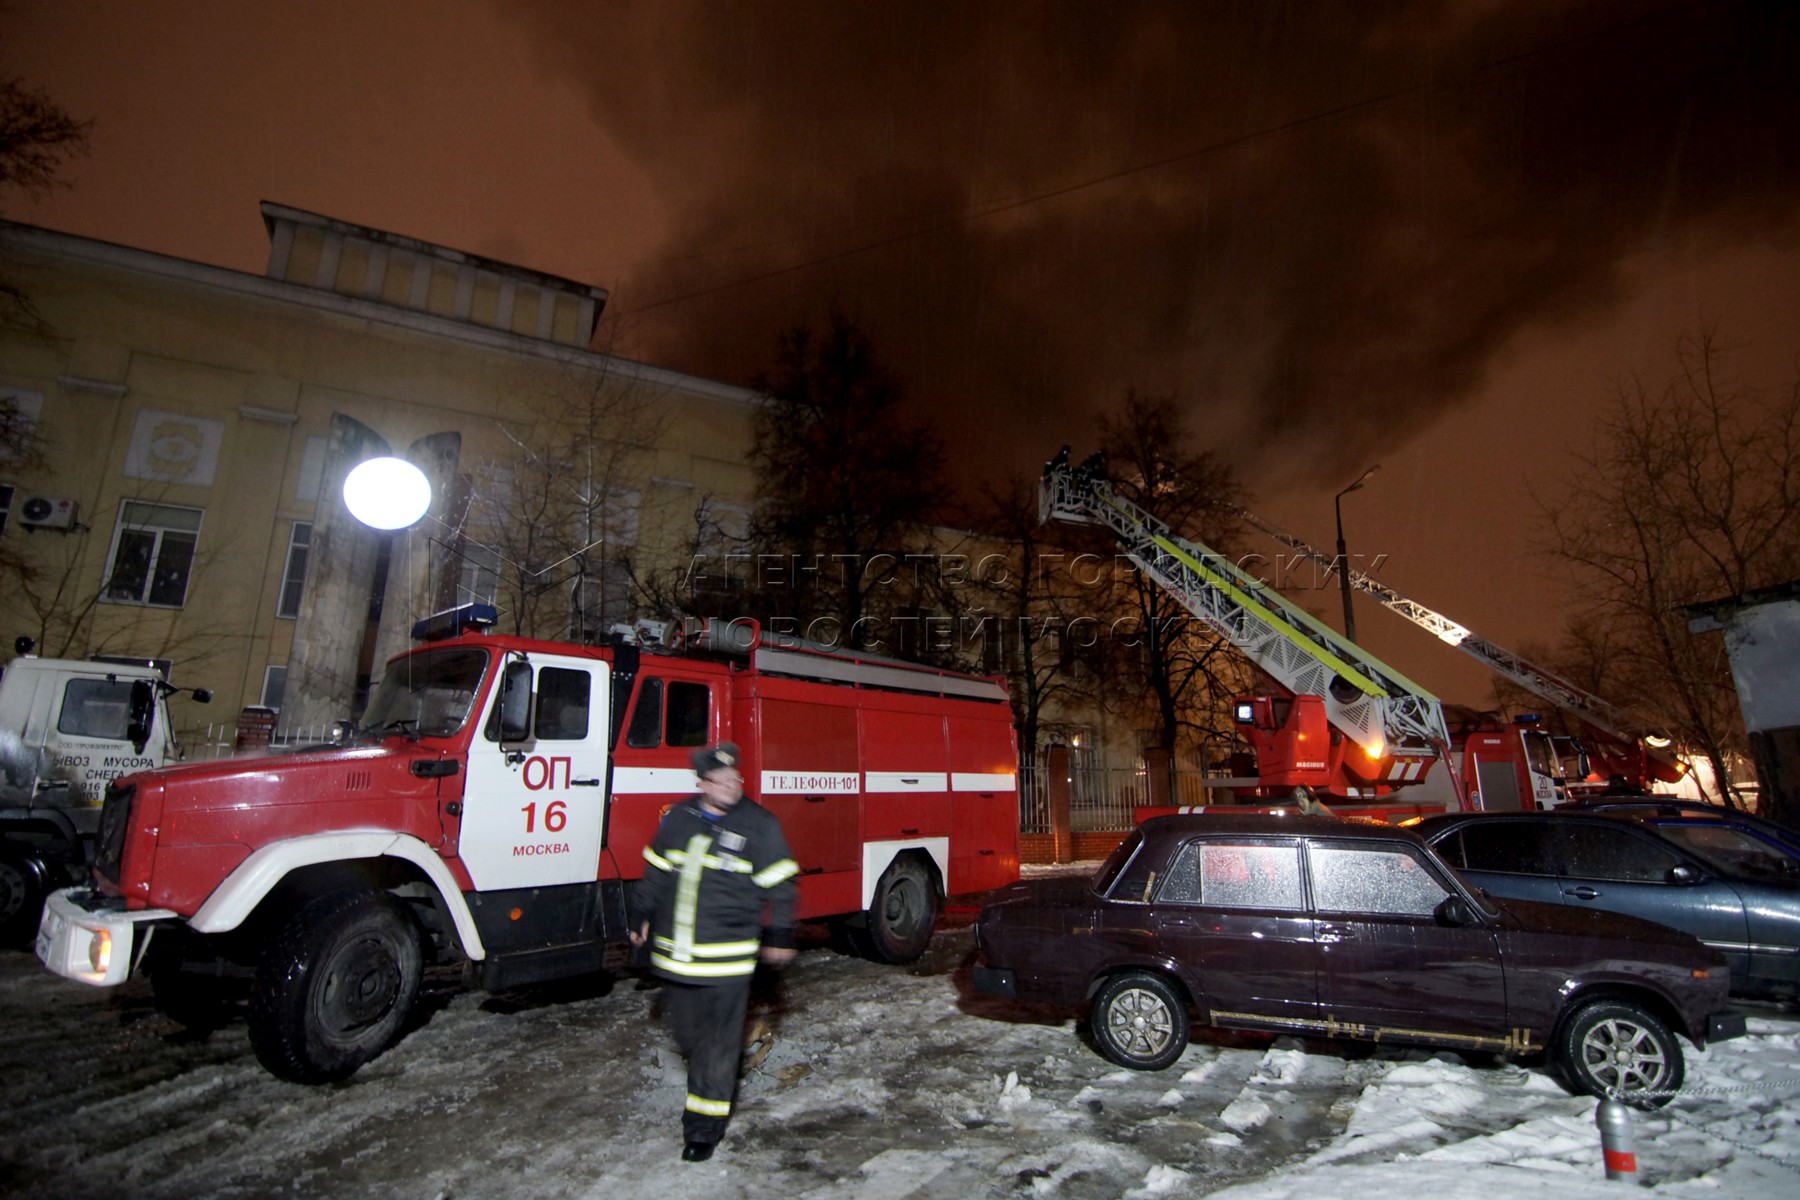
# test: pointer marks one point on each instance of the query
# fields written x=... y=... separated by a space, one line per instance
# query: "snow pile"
x=1443 y=1129
x=868 y=1081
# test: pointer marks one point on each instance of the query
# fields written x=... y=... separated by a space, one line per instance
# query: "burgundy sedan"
x=1344 y=929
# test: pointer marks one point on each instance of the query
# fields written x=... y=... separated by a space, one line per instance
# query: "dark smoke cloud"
x=1357 y=203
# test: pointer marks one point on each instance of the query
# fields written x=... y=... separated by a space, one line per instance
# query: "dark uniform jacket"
x=707 y=884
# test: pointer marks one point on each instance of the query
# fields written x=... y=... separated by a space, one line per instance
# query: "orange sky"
x=662 y=150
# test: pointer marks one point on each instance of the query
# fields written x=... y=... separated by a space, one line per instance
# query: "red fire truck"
x=1335 y=721
x=493 y=807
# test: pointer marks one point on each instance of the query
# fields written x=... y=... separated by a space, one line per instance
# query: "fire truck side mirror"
x=515 y=702
x=143 y=713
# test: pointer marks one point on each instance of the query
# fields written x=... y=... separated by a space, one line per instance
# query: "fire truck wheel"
x=903 y=913
x=21 y=900
x=335 y=986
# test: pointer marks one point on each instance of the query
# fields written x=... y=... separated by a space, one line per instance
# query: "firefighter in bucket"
x=717 y=896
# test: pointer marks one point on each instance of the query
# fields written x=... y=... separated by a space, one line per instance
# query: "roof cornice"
x=148 y=263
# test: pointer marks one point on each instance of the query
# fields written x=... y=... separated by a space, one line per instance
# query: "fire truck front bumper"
x=84 y=936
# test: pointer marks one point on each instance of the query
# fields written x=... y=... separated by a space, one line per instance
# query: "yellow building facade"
x=178 y=434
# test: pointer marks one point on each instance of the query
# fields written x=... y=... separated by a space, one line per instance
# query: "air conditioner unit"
x=46 y=512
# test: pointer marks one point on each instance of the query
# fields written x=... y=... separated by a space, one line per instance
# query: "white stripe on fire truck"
x=906 y=781
x=633 y=781
x=665 y=781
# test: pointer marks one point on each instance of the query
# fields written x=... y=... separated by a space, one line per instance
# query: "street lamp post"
x=1337 y=504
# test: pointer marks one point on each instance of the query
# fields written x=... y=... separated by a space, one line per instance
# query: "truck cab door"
x=87 y=736
x=535 y=799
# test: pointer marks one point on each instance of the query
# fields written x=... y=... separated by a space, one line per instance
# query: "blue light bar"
x=469 y=618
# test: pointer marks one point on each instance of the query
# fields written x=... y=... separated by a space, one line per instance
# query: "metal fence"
x=212 y=742
x=1101 y=799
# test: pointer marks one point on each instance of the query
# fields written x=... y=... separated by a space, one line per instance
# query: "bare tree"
x=1044 y=600
x=72 y=605
x=37 y=136
x=708 y=574
x=47 y=574
x=846 y=479
x=1190 y=674
x=1691 y=492
x=551 y=529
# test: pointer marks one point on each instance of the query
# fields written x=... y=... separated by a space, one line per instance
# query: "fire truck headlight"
x=100 y=951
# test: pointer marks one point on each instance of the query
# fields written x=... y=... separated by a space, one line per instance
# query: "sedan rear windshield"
x=1117 y=863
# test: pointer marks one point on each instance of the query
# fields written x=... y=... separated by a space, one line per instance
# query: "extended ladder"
x=1386 y=714
x=1539 y=681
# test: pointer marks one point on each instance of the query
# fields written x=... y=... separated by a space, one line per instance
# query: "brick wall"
x=1040 y=848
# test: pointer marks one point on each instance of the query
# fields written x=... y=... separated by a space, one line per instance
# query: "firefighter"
x=717 y=896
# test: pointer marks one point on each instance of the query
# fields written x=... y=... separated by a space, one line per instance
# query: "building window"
x=153 y=554
x=293 y=576
x=619 y=517
x=19 y=411
x=477 y=573
x=274 y=684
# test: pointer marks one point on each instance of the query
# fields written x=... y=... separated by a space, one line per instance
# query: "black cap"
x=722 y=757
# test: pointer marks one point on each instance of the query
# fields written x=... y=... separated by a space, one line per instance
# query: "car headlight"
x=100 y=951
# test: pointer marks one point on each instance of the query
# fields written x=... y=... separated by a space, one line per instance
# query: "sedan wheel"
x=1614 y=1048
x=1140 y=1021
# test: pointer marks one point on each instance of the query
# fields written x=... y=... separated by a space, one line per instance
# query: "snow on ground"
x=879 y=1083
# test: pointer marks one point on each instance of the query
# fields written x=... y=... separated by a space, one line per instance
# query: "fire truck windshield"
x=427 y=693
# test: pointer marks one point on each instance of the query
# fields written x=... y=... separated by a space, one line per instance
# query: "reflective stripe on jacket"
x=707 y=886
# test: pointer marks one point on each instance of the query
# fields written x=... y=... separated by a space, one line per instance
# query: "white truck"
x=68 y=727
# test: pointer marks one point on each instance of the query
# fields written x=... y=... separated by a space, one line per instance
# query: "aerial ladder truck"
x=1345 y=726
x=1546 y=769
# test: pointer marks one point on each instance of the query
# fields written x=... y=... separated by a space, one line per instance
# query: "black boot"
x=696 y=1152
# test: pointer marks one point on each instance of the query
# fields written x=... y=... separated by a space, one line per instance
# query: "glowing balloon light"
x=387 y=493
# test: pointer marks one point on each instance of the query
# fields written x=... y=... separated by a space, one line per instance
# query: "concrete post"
x=1056 y=787
x=416 y=552
x=1157 y=764
x=340 y=575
